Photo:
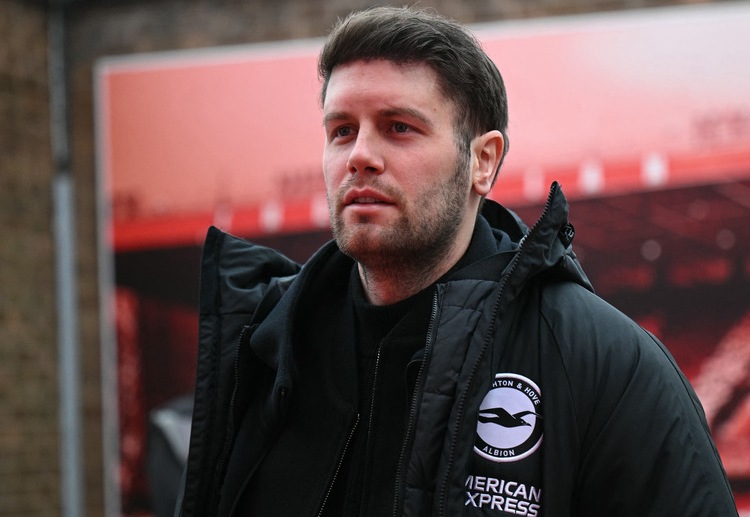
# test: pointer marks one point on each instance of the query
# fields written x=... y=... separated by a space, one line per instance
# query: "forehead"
x=383 y=81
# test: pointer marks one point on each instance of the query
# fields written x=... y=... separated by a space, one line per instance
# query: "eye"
x=400 y=127
x=342 y=131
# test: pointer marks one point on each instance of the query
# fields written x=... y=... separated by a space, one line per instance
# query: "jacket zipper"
x=338 y=466
x=351 y=434
x=372 y=399
x=398 y=495
x=443 y=490
x=232 y=402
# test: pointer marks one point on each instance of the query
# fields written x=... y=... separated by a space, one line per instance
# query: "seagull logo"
x=501 y=417
x=509 y=420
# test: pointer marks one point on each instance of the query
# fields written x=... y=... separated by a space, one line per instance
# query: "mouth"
x=368 y=197
x=367 y=201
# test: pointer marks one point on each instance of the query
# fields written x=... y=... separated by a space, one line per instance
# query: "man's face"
x=397 y=187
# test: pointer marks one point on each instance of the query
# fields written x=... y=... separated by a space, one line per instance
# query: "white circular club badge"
x=509 y=423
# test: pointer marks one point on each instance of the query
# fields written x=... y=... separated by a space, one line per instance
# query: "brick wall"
x=28 y=390
x=28 y=371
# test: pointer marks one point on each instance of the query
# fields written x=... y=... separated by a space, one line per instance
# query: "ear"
x=486 y=152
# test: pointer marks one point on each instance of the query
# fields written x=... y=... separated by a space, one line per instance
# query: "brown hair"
x=465 y=73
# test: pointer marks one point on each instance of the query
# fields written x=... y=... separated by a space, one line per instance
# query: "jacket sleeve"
x=644 y=447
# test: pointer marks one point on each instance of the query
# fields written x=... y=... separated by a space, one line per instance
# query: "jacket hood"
x=273 y=340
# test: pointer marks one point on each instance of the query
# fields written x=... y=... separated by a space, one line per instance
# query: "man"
x=431 y=360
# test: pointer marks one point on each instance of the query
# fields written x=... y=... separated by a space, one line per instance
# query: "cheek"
x=334 y=176
x=426 y=172
x=330 y=169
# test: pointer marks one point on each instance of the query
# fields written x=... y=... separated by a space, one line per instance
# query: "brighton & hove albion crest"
x=509 y=423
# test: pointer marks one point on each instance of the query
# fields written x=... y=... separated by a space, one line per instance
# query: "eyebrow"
x=410 y=112
x=387 y=112
x=335 y=115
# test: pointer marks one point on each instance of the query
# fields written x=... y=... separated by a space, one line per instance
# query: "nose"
x=366 y=154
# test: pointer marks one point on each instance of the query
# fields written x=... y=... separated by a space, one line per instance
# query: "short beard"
x=413 y=250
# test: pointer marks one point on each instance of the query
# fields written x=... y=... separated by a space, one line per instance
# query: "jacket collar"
x=545 y=247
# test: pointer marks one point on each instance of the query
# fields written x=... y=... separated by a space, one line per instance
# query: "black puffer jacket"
x=623 y=432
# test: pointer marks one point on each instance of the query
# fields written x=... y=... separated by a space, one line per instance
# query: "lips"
x=365 y=197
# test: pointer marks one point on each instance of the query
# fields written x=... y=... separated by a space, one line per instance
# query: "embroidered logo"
x=509 y=424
